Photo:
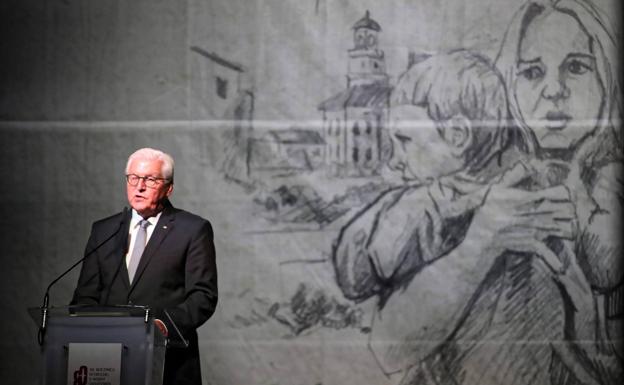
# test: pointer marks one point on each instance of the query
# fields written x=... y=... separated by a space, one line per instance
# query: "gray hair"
x=153 y=154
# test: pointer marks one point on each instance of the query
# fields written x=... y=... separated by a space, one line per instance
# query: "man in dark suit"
x=157 y=256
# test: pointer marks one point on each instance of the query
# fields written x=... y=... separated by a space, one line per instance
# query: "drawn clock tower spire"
x=354 y=120
x=366 y=61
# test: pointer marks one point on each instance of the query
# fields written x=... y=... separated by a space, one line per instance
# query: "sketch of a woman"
x=490 y=311
x=559 y=60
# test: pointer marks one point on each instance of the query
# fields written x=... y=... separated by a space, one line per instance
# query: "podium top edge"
x=91 y=311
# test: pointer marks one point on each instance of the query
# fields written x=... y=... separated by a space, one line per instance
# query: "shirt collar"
x=136 y=218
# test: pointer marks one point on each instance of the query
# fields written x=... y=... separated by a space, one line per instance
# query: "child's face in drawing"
x=558 y=88
x=424 y=149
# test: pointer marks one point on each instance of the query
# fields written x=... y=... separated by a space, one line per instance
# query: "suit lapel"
x=162 y=229
x=122 y=249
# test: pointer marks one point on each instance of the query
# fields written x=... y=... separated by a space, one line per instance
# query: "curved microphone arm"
x=46 y=297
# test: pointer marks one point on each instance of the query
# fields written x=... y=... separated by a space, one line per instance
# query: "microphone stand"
x=46 y=298
x=175 y=327
x=46 y=301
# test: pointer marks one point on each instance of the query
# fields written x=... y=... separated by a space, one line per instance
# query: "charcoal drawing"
x=480 y=207
x=495 y=263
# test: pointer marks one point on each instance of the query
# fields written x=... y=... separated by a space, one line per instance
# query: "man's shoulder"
x=188 y=217
x=190 y=224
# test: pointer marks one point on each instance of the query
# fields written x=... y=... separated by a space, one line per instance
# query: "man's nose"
x=141 y=184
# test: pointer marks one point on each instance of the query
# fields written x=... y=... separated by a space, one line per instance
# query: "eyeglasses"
x=150 y=181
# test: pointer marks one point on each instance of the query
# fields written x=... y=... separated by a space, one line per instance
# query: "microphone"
x=121 y=261
x=46 y=297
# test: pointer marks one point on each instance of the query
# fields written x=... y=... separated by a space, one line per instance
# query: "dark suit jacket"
x=177 y=273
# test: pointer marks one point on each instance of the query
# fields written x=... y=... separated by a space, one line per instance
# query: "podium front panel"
x=142 y=355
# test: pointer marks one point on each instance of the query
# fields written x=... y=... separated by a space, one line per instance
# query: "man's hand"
x=162 y=327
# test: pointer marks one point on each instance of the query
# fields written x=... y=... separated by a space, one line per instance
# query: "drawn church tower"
x=355 y=119
x=367 y=64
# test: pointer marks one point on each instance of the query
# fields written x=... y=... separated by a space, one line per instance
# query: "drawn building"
x=354 y=120
x=221 y=94
x=288 y=150
x=219 y=87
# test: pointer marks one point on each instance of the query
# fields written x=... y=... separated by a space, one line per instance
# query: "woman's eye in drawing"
x=578 y=66
x=532 y=72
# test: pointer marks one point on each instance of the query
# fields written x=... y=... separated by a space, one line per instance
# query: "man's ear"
x=169 y=190
x=458 y=135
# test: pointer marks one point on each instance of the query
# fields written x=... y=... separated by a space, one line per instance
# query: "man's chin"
x=140 y=209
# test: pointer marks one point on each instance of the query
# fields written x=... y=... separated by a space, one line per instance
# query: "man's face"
x=147 y=201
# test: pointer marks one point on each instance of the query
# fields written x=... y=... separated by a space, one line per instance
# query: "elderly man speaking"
x=169 y=261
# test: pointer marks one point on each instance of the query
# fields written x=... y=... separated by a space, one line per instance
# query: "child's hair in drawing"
x=460 y=83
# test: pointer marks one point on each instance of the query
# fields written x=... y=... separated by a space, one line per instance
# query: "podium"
x=101 y=345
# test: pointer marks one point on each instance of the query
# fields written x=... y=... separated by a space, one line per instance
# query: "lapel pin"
x=164 y=227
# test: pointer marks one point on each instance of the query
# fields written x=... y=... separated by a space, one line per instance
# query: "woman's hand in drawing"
x=514 y=219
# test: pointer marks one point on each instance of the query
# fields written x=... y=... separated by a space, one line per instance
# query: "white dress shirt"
x=134 y=226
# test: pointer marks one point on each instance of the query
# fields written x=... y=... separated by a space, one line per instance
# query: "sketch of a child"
x=450 y=113
x=443 y=136
x=447 y=121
